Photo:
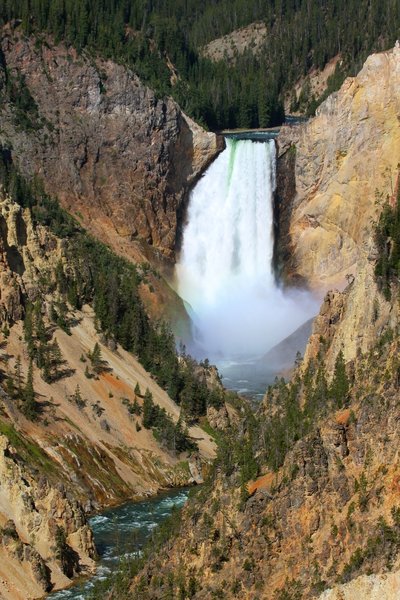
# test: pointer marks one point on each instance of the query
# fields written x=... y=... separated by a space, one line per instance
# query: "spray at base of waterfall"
x=225 y=270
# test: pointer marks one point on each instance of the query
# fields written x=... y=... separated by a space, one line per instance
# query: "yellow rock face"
x=374 y=587
x=347 y=161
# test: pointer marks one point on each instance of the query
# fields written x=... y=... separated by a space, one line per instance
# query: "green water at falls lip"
x=121 y=532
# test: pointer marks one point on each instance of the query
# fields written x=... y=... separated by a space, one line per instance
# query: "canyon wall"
x=326 y=523
x=333 y=173
x=118 y=158
x=72 y=457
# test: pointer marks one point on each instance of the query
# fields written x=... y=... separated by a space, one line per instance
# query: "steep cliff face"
x=116 y=156
x=83 y=450
x=328 y=519
x=345 y=160
x=351 y=320
x=45 y=539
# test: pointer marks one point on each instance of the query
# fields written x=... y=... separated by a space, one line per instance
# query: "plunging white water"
x=225 y=270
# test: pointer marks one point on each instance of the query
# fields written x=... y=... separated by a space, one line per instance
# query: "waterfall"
x=225 y=271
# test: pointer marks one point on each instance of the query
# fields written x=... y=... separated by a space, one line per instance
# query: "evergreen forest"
x=162 y=40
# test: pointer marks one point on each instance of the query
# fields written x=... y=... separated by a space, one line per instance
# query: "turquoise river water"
x=122 y=532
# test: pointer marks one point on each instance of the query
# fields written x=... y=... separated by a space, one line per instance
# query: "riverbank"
x=120 y=533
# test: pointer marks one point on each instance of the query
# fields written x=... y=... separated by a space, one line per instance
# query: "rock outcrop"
x=118 y=158
x=227 y=48
x=333 y=172
x=329 y=518
x=351 y=320
x=373 y=587
x=35 y=513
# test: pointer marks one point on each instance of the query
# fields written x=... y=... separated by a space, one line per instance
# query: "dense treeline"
x=146 y=33
x=96 y=276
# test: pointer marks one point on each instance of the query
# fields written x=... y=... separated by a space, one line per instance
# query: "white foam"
x=225 y=270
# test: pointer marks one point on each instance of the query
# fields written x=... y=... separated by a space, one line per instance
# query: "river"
x=121 y=532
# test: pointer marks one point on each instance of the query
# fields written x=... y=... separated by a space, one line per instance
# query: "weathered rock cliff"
x=351 y=320
x=329 y=517
x=333 y=169
x=115 y=155
x=45 y=539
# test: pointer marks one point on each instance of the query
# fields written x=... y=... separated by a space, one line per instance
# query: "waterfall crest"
x=225 y=270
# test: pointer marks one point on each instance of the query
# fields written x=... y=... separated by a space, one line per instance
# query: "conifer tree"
x=29 y=394
x=148 y=410
x=136 y=408
x=10 y=387
x=340 y=385
x=30 y=406
x=52 y=360
x=18 y=376
x=96 y=359
x=56 y=358
x=77 y=397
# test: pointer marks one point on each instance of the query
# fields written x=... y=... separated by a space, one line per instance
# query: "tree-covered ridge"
x=94 y=275
x=147 y=34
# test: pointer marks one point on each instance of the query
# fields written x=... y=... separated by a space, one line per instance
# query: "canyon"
x=334 y=173
x=78 y=457
x=118 y=158
x=324 y=522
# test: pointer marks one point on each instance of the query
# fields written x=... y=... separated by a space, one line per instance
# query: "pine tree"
x=148 y=410
x=40 y=328
x=136 y=408
x=340 y=385
x=263 y=105
x=30 y=406
x=18 y=377
x=29 y=394
x=96 y=359
x=56 y=356
x=77 y=397
x=10 y=387
x=52 y=360
x=72 y=295
x=62 y=317
x=43 y=363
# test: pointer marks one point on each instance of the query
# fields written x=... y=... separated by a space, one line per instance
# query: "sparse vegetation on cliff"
x=321 y=479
